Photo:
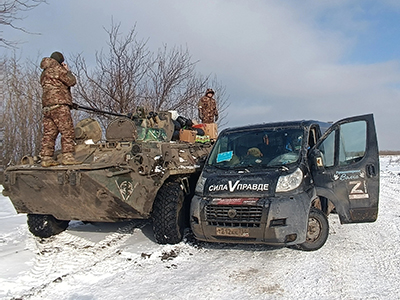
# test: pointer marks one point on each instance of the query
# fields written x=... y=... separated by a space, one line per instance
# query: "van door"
x=345 y=168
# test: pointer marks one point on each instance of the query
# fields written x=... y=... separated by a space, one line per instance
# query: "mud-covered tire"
x=317 y=231
x=169 y=214
x=45 y=226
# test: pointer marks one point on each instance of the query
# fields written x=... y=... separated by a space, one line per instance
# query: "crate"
x=187 y=135
x=211 y=130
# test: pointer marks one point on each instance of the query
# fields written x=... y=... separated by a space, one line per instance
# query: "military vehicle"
x=137 y=172
x=276 y=183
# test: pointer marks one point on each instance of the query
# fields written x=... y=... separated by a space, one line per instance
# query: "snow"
x=122 y=261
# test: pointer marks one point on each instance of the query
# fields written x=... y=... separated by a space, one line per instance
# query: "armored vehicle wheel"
x=45 y=226
x=169 y=218
x=317 y=232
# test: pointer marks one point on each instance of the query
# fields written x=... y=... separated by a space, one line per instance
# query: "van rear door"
x=345 y=168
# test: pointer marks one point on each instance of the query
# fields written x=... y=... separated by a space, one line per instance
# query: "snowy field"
x=122 y=261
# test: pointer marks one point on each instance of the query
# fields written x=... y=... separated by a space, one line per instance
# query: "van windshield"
x=257 y=148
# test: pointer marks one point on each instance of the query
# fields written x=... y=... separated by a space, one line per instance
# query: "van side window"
x=327 y=149
x=353 y=141
x=312 y=138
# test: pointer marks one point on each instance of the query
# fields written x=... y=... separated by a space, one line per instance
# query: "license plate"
x=238 y=232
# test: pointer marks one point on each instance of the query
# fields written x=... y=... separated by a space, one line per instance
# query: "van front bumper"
x=279 y=220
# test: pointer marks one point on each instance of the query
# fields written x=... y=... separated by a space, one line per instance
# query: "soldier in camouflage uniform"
x=56 y=81
x=207 y=106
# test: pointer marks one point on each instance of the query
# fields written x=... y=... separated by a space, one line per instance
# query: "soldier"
x=56 y=81
x=207 y=105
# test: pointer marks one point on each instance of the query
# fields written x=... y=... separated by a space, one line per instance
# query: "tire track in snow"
x=57 y=252
x=66 y=254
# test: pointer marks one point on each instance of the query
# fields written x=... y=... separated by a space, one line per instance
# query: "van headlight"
x=289 y=182
x=199 y=190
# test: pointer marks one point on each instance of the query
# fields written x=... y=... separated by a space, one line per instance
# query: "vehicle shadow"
x=107 y=227
x=191 y=240
x=146 y=228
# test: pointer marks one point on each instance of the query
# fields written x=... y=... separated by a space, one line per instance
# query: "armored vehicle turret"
x=136 y=172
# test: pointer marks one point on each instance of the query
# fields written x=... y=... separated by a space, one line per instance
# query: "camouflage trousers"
x=55 y=121
x=207 y=118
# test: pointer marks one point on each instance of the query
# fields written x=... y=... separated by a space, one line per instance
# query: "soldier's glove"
x=74 y=106
x=216 y=118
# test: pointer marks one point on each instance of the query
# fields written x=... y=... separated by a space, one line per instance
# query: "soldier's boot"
x=69 y=159
x=48 y=161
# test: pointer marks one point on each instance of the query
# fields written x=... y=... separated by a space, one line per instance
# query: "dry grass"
x=389 y=152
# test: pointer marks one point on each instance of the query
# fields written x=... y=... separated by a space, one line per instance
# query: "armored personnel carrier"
x=137 y=172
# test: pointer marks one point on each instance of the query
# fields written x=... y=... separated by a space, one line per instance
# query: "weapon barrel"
x=100 y=111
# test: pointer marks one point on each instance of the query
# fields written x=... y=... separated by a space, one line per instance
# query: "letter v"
x=232 y=188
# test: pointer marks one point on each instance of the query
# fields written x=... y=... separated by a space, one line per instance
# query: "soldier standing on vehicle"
x=56 y=80
x=208 y=112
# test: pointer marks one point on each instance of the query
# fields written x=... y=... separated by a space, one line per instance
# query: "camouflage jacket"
x=207 y=109
x=56 y=82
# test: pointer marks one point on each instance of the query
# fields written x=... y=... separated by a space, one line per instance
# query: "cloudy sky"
x=279 y=60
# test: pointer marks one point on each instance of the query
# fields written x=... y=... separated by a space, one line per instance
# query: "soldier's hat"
x=210 y=91
x=57 y=56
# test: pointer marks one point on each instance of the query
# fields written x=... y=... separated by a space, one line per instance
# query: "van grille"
x=233 y=216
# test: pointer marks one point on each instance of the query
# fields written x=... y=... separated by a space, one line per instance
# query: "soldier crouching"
x=56 y=81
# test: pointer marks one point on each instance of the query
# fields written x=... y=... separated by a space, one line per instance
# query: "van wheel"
x=45 y=226
x=169 y=214
x=317 y=231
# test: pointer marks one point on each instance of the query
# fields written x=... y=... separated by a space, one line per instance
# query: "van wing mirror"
x=316 y=159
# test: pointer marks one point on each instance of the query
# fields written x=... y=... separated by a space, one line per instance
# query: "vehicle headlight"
x=289 y=182
x=200 y=185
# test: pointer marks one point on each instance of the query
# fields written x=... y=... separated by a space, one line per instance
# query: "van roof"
x=286 y=124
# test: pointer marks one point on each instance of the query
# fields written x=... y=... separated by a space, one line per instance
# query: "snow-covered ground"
x=122 y=261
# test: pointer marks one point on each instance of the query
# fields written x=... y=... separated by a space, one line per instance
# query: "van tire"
x=169 y=214
x=45 y=226
x=317 y=231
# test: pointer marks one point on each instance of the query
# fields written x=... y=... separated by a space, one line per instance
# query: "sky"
x=278 y=60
